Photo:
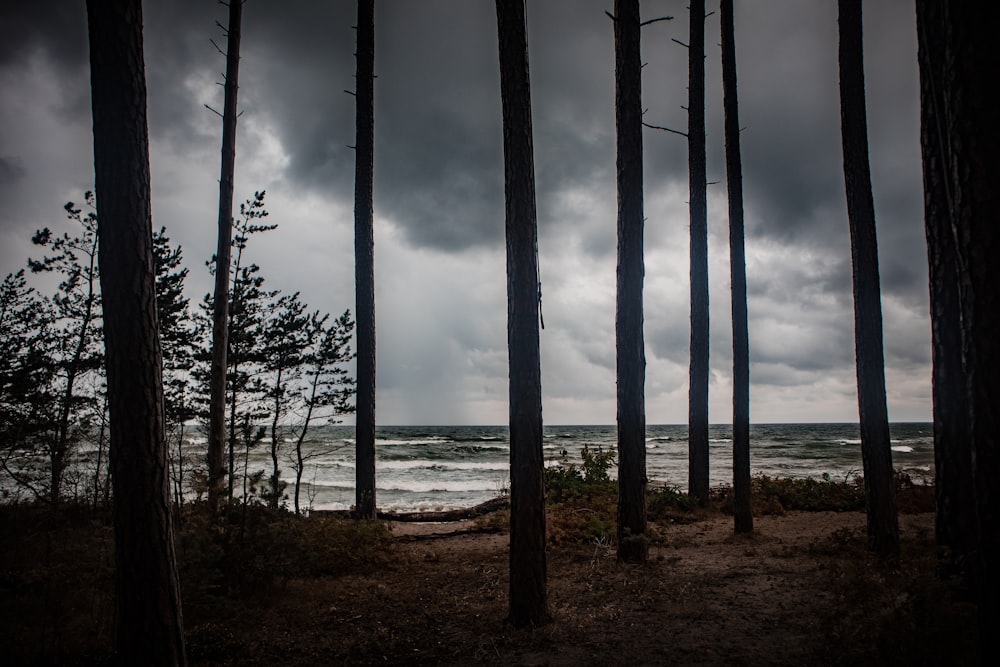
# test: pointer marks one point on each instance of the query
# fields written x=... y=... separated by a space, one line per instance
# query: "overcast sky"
x=439 y=246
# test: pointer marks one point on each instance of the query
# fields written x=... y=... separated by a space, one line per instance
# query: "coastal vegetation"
x=286 y=371
x=300 y=589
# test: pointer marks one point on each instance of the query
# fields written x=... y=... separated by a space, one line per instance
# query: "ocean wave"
x=434 y=440
x=438 y=485
x=439 y=465
x=476 y=449
x=906 y=449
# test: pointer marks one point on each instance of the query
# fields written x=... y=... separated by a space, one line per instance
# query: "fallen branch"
x=449 y=515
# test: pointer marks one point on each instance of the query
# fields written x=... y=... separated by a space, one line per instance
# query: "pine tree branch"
x=665 y=129
x=662 y=18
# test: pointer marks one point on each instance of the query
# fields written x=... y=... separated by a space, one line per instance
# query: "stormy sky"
x=439 y=246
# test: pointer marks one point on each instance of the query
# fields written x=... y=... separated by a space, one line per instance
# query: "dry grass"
x=801 y=590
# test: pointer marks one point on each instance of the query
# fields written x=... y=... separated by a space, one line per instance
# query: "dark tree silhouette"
x=954 y=486
x=958 y=78
x=742 y=509
x=364 y=258
x=528 y=597
x=220 y=319
x=876 y=456
x=698 y=184
x=149 y=623
x=631 y=364
x=75 y=341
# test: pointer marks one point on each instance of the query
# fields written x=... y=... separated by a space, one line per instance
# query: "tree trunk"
x=364 y=258
x=149 y=624
x=876 y=456
x=220 y=308
x=698 y=183
x=742 y=509
x=631 y=364
x=966 y=62
x=954 y=484
x=528 y=596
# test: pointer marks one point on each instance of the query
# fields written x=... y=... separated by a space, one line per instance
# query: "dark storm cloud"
x=11 y=172
x=439 y=175
x=55 y=27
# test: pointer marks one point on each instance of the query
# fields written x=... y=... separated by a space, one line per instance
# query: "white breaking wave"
x=439 y=485
x=441 y=465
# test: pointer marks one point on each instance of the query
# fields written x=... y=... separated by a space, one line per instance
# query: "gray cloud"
x=439 y=184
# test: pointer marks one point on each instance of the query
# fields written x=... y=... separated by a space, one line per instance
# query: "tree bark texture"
x=742 y=509
x=528 y=595
x=698 y=183
x=876 y=456
x=364 y=258
x=217 y=470
x=149 y=627
x=631 y=358
x=967 y=61
x=954 y=483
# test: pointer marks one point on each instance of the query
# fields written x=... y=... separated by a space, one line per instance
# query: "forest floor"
x=802 y=590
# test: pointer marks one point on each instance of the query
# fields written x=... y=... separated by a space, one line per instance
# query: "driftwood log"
x=460 y=514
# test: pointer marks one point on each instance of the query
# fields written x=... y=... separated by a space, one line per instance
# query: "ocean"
x=421 y=468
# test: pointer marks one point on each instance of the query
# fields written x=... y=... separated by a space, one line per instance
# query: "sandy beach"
x=801 y=591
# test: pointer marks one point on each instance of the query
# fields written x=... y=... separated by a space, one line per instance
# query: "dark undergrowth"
x=57 y=572
x=57 y=568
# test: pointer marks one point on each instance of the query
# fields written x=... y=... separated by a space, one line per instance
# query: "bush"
x=808 y=494
x=260 y=555
x=565 y=480
x=669 y=502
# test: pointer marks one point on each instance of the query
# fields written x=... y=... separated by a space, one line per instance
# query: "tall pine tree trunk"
x=961 y=73
x=698 y=183
x=528 y=596
x=364 y=258
x=954 y=485
x=220 y=308
x=631 y=364
x=876 y=456
x=742 y=509
x=149 y=624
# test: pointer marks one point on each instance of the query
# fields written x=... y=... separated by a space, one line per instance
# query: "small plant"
x=565 y=480
x=669 y=502
x=494 y=522
x=597 y=465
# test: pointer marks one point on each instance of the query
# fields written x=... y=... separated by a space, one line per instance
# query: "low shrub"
x=565 y=480
x=809 y=494
x=259 y=554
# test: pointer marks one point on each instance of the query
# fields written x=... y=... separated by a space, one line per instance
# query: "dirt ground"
x=801 y=591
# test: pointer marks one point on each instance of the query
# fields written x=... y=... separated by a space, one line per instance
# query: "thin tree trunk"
x=698 y=183
x=299 y=460
x=232 y=437
x=275 y=471
x=742 y=508
x=149 y=623
x=100 y=452
x=876 y=456
x=528 y=594
x=631 y=357
x=60 y=451
x=954 y=485
x=220 y=308
x=364 y=257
